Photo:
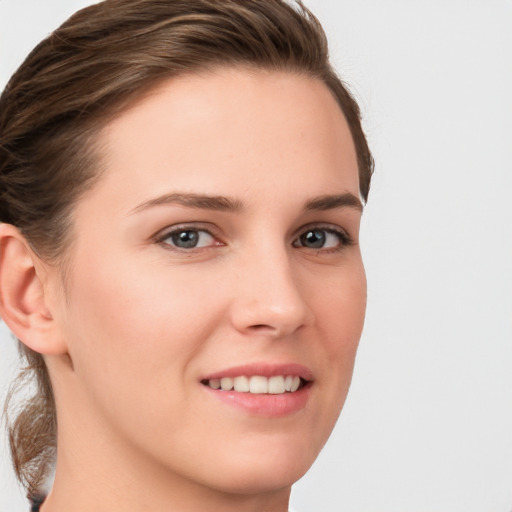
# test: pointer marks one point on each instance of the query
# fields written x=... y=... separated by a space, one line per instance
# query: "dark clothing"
x=36 y=502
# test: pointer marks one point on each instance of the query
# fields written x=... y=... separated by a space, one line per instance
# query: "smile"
x=261 y=389
x=257 y=384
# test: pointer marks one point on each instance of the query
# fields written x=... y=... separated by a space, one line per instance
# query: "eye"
x=188 y=238
x=322 y=238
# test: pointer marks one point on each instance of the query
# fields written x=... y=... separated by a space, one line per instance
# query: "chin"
x=271 y=467
x=262 y=479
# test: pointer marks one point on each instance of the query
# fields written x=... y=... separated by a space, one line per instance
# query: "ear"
x=22 y=295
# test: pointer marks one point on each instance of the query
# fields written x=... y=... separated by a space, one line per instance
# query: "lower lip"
x=272 y=406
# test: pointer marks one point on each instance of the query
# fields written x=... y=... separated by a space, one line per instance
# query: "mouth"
x=262 y=389
x=258 y=384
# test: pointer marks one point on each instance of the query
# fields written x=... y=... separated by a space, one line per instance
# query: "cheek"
x=340 y=317
x=133 y=326
x=341 y=311
x=133 y=342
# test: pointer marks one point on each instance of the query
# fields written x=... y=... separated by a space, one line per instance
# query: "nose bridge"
x=270 y=299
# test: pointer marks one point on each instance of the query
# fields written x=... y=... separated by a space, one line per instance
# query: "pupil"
x=314 y=239
x=186 y=239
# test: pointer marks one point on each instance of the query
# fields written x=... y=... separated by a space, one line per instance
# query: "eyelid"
x=345 y=237
x=335 y=228
x=165 y=233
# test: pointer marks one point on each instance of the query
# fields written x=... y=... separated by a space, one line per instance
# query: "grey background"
x=428 y=423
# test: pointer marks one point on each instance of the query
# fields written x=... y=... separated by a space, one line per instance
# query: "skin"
x=140 y=322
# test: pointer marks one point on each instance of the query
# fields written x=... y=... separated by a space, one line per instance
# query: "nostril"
x=261 y=329
x=266 y=329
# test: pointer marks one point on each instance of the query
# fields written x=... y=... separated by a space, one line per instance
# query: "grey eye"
x=190 y=239
x=313 y=238
x=321 y=238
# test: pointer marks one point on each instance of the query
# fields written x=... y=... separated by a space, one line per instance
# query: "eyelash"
x=176 y=230
x=343 y=237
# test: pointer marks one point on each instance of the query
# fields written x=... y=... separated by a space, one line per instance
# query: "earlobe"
x=22 y=295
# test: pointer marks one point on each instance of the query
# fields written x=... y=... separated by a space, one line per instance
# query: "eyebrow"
x=200 y=201
x=331 y=202
x=225 y=204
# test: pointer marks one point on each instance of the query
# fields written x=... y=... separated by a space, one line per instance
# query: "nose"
x=270 y=300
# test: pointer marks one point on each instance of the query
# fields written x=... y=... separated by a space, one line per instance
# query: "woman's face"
x=219 y=248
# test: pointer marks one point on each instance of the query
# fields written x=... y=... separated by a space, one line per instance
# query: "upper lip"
x=263 y=369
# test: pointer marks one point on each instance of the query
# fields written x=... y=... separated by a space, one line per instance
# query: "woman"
x=182 y=185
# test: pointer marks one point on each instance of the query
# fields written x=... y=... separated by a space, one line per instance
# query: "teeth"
x=226 y=383
x=257 y=384
x=214 y=383
x=276 y=385
x=241 y=384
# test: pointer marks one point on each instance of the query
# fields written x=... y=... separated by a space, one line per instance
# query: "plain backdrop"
x=428 y=423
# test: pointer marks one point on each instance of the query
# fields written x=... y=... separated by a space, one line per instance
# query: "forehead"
x=228 y=129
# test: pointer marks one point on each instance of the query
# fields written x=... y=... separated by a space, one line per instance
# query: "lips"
x=262 y=389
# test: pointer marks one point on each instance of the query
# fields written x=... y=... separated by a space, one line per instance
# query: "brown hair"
x=82 y=75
